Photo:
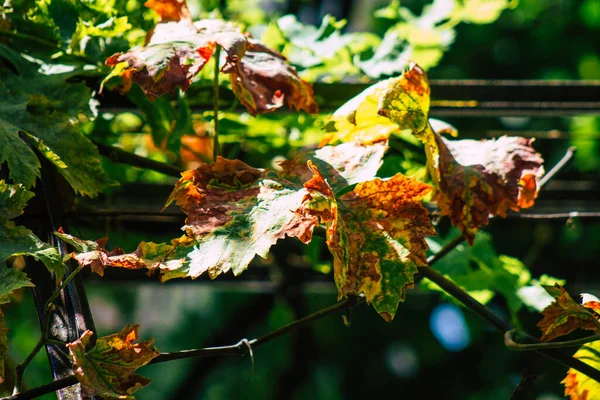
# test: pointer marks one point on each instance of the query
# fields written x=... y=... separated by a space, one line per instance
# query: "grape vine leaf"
x=107 y=369
x=236 y=212
x=473 y=179
x=148 y=255
x=483 y=273
x=488 y=177
x=376 y=233
x=178 y=50
x=20 y=241
x=388 y=106
x=579 y=386
x=565 y=315
x=42 y=111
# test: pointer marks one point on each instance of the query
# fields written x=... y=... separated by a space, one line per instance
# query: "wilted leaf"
x=148 y=255
x=579 y=386
x=178 y=50
x=107 y=369
x=376 y=234
x=564 y=316
x=18 y=240
x=174 y=55
x=263 y=81
x=488 y=177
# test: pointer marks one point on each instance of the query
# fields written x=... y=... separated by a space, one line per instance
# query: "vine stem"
x=558 y=167
x=216 y=147
x=241 y=348
x=512 y=344
x=20 y=369
x=48 y=308
x=121 y=156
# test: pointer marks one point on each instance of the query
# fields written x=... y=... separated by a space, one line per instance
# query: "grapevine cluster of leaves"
x=376 y=228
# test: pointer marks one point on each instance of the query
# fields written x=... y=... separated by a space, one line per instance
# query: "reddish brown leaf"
x=263 y=81
x=482 y=178
x=107 y=369
x=564 y=316
x=178 y=49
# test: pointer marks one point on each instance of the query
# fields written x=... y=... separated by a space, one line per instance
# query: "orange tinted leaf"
x=263 y=81
x=376 y=234
x=107 y=369
x=148 y=255
x=590 y=301
x=564 y=316
x=482 y=178
x=169 y=10
x=579 y=386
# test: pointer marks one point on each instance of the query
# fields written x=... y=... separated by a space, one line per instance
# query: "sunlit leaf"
x=179 y=49
x=479 y=179
x=579 y=386
x=565 y=315
x=388 y=106
x=376 y=234
x=107 y=369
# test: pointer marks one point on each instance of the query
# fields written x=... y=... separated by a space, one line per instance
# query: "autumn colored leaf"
x=264 y=81
x=579 y=386
x=565 y=315
x=590 y=301
x=20 y=241
x=148 y=255
x=169 y=10
x=107 y=369
x=376 y=234
x=488 y=177
x=391 y=105
x=178 y=49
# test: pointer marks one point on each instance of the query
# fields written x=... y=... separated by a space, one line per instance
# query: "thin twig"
x=566 y=215
x=124 y=157
x=48 y=305
x=445 y=250
x=512 y=344
x=216 y=147
x=558 y=167
x=20 y=369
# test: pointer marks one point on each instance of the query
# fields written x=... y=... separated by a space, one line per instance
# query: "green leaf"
x=41 y=110
x=10 y=280
x=480 y=271
x=18 y=240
